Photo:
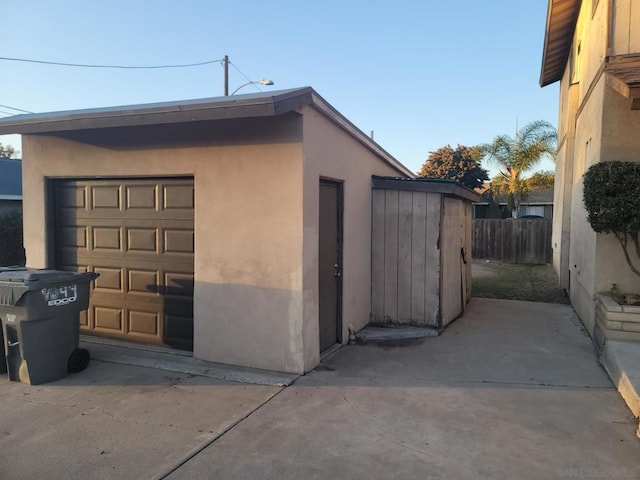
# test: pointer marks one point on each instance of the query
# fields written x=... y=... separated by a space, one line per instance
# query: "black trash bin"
x=40 y=311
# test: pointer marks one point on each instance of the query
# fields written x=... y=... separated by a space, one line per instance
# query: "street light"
x=259 y=82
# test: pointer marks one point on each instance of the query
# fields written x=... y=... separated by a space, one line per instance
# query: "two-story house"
x=592 y=47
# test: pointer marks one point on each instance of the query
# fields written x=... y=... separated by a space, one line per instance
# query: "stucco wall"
x=627 y=34
x=620 y=141
x=248 y=231
x=563 y=189
x=332 y=153
x=582 y=256
x=589 y=45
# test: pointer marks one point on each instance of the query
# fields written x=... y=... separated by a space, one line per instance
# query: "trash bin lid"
x=16 y=281
x=28 y=276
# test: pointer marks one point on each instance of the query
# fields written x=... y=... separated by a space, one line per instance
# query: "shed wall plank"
x=405 y=223
x=377 y=255
x=418 y=255
x=432 y=259
x=451 y=303
x=391 y=256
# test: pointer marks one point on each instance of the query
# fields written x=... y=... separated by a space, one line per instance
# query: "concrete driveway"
x=511 y=390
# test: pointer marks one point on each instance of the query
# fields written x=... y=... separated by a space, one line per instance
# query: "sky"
x=420 y=74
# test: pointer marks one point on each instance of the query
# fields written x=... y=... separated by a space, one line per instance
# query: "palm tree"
x=516 y=156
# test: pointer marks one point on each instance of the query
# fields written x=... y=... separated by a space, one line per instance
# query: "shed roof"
x=434 y=185
x=561 y=22
x=10 y=179
x=264 y=104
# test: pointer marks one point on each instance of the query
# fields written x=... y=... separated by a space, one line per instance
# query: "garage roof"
x=561 y=22
x=264 y=104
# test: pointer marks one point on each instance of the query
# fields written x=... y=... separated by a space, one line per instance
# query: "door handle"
x=337 y=272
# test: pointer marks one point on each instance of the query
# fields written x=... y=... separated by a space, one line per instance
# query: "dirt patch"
x=534 y=283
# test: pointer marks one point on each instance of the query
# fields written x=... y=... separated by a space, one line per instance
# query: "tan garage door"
x=138 y=235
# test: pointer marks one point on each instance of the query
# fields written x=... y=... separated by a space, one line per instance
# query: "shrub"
x=11 y=249
x=612 y=200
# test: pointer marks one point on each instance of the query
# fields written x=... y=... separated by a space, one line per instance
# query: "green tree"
x=517 y=156
x=538 y=181
x=461 y=164
x=7 y=151
x=612 y=199
x=541 y=180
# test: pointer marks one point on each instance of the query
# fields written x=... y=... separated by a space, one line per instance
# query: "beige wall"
x=256 y=217
x=605 y=129
x=626 y=19
x=332 y=153
x=582 y=256
x=620 y=141
x=248 y=295
x=563 y=190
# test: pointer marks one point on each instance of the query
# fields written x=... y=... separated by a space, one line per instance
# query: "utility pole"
x=225 y=70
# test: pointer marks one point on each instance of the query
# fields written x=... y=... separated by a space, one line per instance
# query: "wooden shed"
x=420 y=251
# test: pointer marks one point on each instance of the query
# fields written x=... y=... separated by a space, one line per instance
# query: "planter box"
x=615 y=322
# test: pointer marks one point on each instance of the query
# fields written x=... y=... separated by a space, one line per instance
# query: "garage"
x=138 y=235
x=238 y=227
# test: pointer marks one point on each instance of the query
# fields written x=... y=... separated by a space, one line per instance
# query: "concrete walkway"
x=511 y=390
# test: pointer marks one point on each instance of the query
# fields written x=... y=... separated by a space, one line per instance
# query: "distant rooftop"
x=10 y=179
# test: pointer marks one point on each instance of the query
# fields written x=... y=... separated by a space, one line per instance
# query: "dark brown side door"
x=330 y=264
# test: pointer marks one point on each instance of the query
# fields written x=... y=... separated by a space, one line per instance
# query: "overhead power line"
x=14 y=108
x=245 y=76
x=87 y=65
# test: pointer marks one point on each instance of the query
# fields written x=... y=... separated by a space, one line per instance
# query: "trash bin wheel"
x=78 y=360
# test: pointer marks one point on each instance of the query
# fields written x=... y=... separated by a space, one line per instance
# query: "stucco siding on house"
x=254 y=164
x=626 y=18
x=596 y=123
x=248 y=241
x=330 y=152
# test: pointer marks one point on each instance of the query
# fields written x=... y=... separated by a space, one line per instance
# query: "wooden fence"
x=513 y=240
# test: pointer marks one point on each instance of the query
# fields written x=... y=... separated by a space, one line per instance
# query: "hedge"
x=11 y=249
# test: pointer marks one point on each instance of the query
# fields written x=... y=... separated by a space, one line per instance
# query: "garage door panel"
x=178 y=331
x=142 y=240
x=72 y=197
x=144 y=324
x=138 y=234
x=107 y=196
x=73 y=237
x=178 y=284
x=141 y=196
x=144 y=281
x=180 y=197
x=110 y=279
x=109 y=238
x=108 y=319
x=178 y=241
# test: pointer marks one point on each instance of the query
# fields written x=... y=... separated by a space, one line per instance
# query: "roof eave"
x=560 y=26
x=156 y=114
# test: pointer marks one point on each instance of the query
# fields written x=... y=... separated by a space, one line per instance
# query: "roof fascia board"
x=174 y=112
x=448 y=188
